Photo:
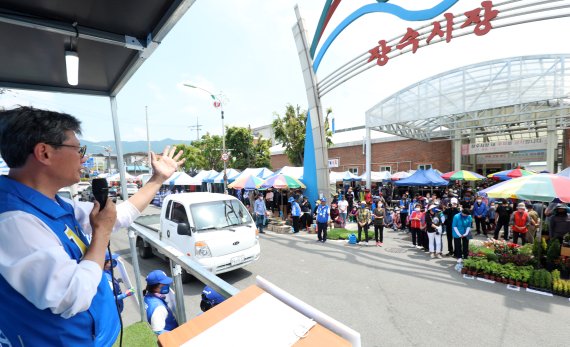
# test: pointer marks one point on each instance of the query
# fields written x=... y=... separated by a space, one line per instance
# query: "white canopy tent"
x=293 y=171
x=377 y=176
x=182 y=179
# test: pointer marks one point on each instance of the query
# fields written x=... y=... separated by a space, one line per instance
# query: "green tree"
x=290 y=132
x=194 y=159
x=210 y=148
x=245 y=151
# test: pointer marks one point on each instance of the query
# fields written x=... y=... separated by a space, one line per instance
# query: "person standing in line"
x=322 y=220
x=449 y=213
x=295 y=214
x=502 y=219
x=260 y=213
x=491 y=216
x=433 y=226
x=415 y=225
x=520 y=222
x=404 y=205
x=307 y=213
x=462 y=233
x=559 y=223
x=480 y=213
x=423 y=236
x=534 y=223
x=343 y=208
x=350 y=198
x=379 y=224
x=158 y=314
x=363 y=220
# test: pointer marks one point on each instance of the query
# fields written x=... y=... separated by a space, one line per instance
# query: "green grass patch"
x=338 y=234
x=138 y=335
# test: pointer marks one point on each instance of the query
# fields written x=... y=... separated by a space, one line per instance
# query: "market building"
x=483 y=117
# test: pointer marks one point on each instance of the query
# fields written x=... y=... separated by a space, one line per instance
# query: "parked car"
x=132 y=188
x=87 y=194
x=81 y=186
x=113 y=192
x=65 y=193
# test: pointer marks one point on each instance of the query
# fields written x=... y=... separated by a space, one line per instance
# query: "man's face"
x=67 y=161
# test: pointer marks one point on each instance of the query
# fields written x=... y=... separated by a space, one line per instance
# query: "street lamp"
x=218 y=103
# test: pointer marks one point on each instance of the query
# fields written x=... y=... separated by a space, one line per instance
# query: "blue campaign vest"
x=151 y=303
x=20 y=319
x=322 y=214
x=116 y=289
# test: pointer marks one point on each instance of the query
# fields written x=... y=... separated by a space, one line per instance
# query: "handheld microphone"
x=100 y=191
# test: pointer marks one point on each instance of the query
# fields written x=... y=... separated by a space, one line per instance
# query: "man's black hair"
x=22 y=128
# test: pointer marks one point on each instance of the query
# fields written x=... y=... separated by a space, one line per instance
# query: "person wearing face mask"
x=449 y=213
x=502 y=219
x=158 y=314
x=480 y=213
x=363 y=219
x=559 y=223
x=415 y=225
x=461 y=229
x=520 y=222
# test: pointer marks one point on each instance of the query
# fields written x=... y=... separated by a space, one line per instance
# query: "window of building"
x=424 y=167
x=353 y=170
x=386 y=168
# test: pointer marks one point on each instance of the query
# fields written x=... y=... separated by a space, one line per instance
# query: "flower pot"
x=486 y=276
x=525 y=285
x=511 y=282
x=463 y=271
x=504 y=280
x=518 y=283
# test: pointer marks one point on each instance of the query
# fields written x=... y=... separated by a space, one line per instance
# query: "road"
x=392 y=295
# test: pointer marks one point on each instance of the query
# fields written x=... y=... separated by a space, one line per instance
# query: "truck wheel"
x=186 y=277
x=144 y=252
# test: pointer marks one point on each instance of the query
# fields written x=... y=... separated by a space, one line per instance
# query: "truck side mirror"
x=184 y=229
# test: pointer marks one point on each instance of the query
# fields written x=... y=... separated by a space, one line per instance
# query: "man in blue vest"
x=53 y=249
x=322 y=220
x=295 y=214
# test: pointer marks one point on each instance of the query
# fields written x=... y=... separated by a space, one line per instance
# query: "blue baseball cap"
x=113 y=257
x=291 y=199
x=156 y=277
x=212 y=295
x=323 y=199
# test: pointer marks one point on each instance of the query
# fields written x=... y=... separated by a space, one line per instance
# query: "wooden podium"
x=317 y=336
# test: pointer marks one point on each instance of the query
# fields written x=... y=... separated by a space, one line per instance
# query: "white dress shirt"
x=34 y=262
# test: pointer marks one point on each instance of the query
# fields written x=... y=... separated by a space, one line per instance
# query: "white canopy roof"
x=182 y=179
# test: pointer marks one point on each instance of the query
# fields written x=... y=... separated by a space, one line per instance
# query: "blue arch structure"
x=309 y=163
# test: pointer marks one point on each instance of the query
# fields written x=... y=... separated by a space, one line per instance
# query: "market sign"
x=516 y=157
x=504 y=146
x=480 y=18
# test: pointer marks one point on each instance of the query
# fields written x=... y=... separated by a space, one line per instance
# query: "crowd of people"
x=445 y=218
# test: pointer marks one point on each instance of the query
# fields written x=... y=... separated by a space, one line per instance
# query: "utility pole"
x=198 y=127
x=149 y=160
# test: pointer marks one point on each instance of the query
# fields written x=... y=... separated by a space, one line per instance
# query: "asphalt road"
x=393 y=295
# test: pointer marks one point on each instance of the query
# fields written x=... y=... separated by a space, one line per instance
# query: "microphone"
x=100 y=191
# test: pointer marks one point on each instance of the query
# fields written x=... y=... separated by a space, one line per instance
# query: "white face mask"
x=479 y=201
x=417 y=209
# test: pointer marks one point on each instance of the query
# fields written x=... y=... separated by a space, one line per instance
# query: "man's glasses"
x=82 y=149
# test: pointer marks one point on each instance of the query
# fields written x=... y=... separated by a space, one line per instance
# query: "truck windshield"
x=219 y=214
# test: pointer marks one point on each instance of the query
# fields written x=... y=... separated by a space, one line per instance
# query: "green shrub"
x=553 y=252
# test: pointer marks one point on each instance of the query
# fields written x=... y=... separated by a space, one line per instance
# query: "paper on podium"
x=265 y=321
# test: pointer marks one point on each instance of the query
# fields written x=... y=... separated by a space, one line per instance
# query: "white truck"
x=216 y=230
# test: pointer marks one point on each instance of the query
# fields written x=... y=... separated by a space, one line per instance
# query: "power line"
x=198 y=127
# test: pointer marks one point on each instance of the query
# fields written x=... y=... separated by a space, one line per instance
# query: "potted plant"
x=552 y=254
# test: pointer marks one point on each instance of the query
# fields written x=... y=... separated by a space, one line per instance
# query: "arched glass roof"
x=518 y=96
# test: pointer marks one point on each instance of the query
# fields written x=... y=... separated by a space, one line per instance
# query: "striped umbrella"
x=462 y=175
x=508 y=174
x=541 y=187
x=247 y=182
x=281 y=181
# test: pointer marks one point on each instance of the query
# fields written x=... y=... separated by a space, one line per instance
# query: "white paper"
x=265 y=321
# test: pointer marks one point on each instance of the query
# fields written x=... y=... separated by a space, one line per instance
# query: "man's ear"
x=42 y=153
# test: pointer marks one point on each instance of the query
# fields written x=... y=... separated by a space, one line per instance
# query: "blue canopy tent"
x=219 y=178
x=423 y=178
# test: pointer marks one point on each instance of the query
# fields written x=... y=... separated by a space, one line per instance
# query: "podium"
x=253 y=317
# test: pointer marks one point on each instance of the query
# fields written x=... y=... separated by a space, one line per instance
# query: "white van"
x=216 y=230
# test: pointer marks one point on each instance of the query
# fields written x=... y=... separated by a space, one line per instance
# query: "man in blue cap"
x=158 y=314
x=210 y=298
x=322 y=220
x=295 y=214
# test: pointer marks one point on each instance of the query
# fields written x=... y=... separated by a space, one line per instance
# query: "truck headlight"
x=202 y=250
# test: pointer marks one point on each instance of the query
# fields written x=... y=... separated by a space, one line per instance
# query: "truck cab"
x=214 y=229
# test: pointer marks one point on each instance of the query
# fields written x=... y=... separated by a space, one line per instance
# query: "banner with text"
x=504 y=146
x=516 y=157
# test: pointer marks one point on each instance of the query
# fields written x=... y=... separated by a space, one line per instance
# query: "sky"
x=244 y=50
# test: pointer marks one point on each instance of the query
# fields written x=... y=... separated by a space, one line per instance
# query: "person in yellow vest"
x=520 y=222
